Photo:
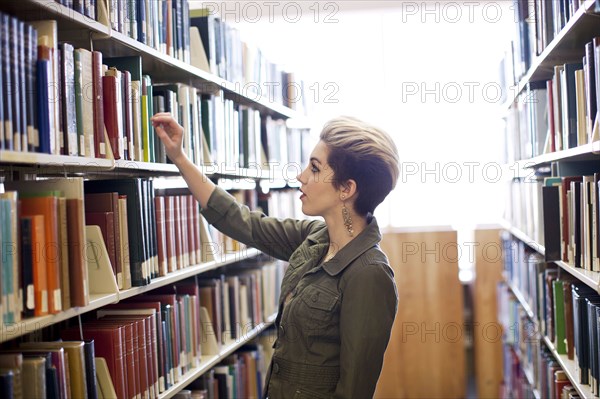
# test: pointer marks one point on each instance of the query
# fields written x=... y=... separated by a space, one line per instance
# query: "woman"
x=338 y=296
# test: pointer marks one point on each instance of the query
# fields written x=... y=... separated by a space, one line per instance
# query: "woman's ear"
x=349 y=189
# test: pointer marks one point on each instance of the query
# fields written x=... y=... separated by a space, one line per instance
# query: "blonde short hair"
x=365 y=154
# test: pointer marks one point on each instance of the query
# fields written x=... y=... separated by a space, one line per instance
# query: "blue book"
x=13 y=32
x=6 y=79
x=30 y=67
x=43 y=104
x=141 y=21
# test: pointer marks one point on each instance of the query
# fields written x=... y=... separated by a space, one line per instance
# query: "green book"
x=145 y=130
x=559 y=317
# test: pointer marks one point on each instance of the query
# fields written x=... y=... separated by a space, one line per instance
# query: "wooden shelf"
x=567 y=46
x=26 y=326
x=589 y=278
x=570 y=369
x=208 y=362
x=189 y=272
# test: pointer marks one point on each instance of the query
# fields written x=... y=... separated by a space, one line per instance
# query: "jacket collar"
x=367 y=238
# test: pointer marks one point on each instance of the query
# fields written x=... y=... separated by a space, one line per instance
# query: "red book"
x=141 y=345
x=141 y=302
x=191 y=230
x=150 y=313
x=161 y=234
x=178 y=232
x=129 y=347
x=98 y=103
x=168 y=299
x=111 y=86
x=185 y=247
x=108 y=343
x=170 y=231
x=127 y=116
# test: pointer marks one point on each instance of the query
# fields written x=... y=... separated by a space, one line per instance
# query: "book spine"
x=68 y=107
x=15 y=140
x=23 y=109
x=98 y=104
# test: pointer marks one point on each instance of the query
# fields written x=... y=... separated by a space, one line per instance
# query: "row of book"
x=149 y=342
x=159 y=24
x=565 y=311
x=537 y=23
x=571 y=216
x=236 y=60
x=530 y=369
x=146 y=234
x=61 y=100
x=57 y=369
x=201 y=38
x=90 y=8
x=241 y=375
x=239 y=136
x=558 y=113
x=523 y=206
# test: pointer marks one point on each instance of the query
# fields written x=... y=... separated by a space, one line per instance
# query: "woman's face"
x=319 y=196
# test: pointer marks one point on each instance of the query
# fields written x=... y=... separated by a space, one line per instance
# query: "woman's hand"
x=171 y=134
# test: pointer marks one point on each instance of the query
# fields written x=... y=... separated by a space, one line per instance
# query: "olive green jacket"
x=334 y=330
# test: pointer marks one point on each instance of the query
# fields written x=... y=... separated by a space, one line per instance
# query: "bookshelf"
x=542 y=148
x=210 y=361
x=96 y=34
x=566 y=46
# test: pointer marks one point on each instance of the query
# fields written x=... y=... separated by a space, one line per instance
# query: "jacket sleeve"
x=369 y=305
x=275 y=237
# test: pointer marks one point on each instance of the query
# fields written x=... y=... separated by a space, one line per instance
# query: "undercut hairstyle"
x=365 y=154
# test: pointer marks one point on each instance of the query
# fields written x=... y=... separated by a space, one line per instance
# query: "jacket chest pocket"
x=319 y=308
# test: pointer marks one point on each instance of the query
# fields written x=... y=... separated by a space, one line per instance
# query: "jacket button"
x=315 y=297
x=276 y=368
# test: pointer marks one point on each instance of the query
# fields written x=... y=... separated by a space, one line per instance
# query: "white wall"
x=417 y=69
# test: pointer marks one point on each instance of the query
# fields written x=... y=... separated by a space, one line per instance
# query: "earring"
x=347 y=219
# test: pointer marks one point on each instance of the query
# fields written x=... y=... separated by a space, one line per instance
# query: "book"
x=109 y=342
x=108 y=203
x=13 y=362
x=113 y=110
x=75 y=359
x=48 y=206
x=84 y=107
x=72 y=190
x=132 y=64
x=69 y=112
x=47 y=31
x=90 y=369
x=136 y=215
x=98 y=105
